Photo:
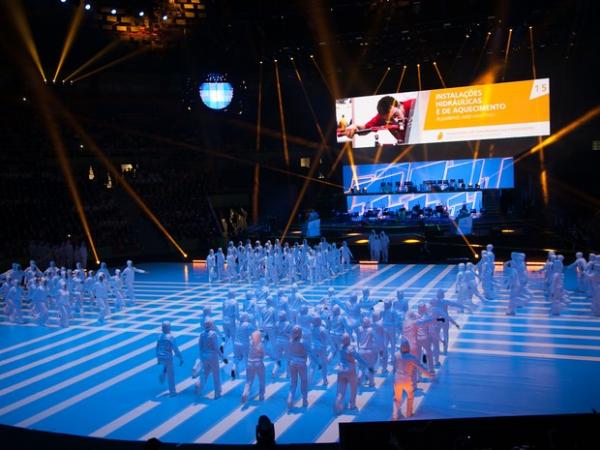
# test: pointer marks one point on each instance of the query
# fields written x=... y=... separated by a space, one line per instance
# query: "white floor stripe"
x=125 y=418
x=67 y=352
x=75 y=379
x=331 y=433
x=287 y=420
x=521 y=315
x=530 y=325
x=94 y=390
x=174 y=421
x=237 y=415
x=532 y=334
x=529 y=343
x=432 y=284
x=33 y=341
x=186 y=413
x=487 y=352
x=46 y=347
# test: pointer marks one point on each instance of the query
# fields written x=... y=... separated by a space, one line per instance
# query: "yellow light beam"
x=315 y=163
x=338 y=158
x=481 y=53
x=419 y=75
x=506 y=53
x=401 y=79
x=378 y=154
x=19 y=18
x=309 y=103
x=215 y=153
x=61 y=153
x=350 y=153
x=314 y=61
x=553 y=138
x=319 y=17
x=311 y=173
x=464 y=238
x=256 y=178
x=265 y=131
x=71 y=34
x=439 y=74
x=383 y=77
x=543 y=172
x=123 y=58
x=116 y=174
x=533 y=70
x=103 y=51
x=286 y=153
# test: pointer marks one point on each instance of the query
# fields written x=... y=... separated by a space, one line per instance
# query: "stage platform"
x=102 y=381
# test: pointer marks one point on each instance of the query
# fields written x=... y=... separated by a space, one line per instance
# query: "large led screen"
x=488 y=111
x=489 y=173
x=453 y=201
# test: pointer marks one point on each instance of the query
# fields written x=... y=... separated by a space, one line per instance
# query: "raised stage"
x=103 y=380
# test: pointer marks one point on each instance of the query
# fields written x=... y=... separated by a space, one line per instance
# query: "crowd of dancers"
x=66 y=291
x=275 y=263
x=350 y=335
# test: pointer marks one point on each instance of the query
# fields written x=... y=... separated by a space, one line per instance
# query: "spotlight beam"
x=286 y=153
x=313 y=168
x=338 y=158
x=553 y=138
x=91 y=144
x=401 y=79
x=275 y=133
x=256 y=177
x=19 y=18
x=532 y=53
x=543 y=172
x=61 y=153
x=72 y=33
x=383 y=77
x=215 y=153
x=310 y=107
x=93 y=59
x=464 y=238
x=112 y=63
x=506 y=52
x=314 y=61
x=439 y=74
x=481 y=53
x=319 y=17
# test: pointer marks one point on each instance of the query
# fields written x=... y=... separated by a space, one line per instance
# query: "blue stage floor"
x=103 y=380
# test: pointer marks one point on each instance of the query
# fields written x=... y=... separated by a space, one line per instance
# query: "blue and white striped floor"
x=103 y=380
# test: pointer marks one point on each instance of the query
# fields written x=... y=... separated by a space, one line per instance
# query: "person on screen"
x=389 y=111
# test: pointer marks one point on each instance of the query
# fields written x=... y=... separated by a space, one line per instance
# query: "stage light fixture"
x=87 y=6
x=141 y=14
x=216 y=92
x=165 y=17
x=63 y=1
x=113 y=11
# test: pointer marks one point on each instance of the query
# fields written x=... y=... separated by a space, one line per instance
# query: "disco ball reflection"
x=216 y=92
